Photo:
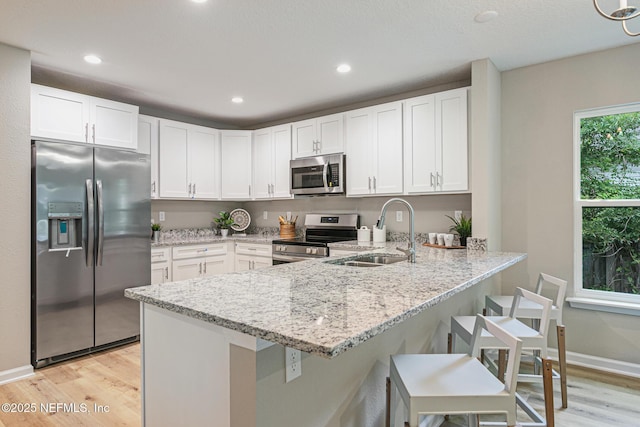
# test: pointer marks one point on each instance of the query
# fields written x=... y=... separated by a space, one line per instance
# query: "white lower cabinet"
x=252 y=256
x=205 y=260
x=161 y=266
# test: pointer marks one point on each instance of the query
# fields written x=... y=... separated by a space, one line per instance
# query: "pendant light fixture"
x=622 y=14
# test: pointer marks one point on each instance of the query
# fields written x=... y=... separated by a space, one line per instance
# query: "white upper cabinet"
x=374 y=150
x=148 y=128
x=271 y=156
x=69 y=116
x=189 y=161
x=322 y=135
x=436 y=143
x=236 y=164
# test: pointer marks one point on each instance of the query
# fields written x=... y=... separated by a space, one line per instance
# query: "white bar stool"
x=532 y=339
x=455 y=383
x=501 y=304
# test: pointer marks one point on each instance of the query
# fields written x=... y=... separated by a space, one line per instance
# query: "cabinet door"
x=261 y=262
x=451 y=127
x=187 y=269
x=59 y=114
x=304 y=137
x=148 y=128
x=281 y=184
x=358 y=149
x=173 y=159
x=236 y=165
x=387 y=154
x=262 y=164
x=420 y=145
x=214 y=265
x=204 y=162
x=330 y=133
x=114 y=124
x=160 y=272
x=243 y=262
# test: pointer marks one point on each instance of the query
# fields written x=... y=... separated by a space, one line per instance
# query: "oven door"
x=318 y=175
x=277 y=259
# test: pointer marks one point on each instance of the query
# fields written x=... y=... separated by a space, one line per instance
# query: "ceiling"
x=280 y=55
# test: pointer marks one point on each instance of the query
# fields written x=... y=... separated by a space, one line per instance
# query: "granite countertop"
x=197 y=240
x=323 y=308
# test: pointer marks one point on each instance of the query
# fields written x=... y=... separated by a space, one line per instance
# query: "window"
x=607 y=204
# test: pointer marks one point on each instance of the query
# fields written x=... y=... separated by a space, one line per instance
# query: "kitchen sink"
x=370 y=260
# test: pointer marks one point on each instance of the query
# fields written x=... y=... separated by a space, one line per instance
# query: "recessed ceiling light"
x=237 y=100
x=92 y=59
x=485 y=16
x=343 y=68
x=199 y=1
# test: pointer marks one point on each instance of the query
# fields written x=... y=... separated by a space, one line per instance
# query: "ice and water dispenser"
x=65 y=226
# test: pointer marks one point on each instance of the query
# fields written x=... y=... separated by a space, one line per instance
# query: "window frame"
x=590 y=298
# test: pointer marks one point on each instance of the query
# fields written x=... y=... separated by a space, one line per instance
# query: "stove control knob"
x=314 y=251
x=308 y=250
x=283 y=248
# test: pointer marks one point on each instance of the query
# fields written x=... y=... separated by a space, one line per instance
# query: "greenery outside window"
x=607 y=204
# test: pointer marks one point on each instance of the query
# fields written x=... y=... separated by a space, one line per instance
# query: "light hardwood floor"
x=111 y=379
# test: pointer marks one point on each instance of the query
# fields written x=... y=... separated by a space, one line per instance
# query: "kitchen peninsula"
x=207 y=357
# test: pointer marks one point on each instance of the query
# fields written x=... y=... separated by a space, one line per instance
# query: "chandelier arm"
x=626 y=30
x=613 y=18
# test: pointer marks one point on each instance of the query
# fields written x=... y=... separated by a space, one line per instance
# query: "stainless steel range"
x=321 y=229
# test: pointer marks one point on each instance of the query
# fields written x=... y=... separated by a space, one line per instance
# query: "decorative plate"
x=241 y=218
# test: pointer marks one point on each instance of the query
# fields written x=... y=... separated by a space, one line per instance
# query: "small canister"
x=380 y=236
x=364 y=234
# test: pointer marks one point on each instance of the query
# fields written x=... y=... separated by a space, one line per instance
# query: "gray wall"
x=538 y=103
x=15 y=179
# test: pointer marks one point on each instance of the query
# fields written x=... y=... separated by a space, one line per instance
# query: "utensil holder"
x=287 y=231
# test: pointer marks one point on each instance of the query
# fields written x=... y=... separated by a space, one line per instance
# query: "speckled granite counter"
x=323 y=308
x=195 y=240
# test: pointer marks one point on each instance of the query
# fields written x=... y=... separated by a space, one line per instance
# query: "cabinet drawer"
x=160 y=254
x=211 y=249
x=255 y=249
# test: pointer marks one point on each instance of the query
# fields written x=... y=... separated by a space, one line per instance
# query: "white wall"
x=15 y=179
x=538 y=103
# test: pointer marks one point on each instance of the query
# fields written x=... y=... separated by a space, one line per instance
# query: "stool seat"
x=501 y=304
x=454 y=383
x=462 y=326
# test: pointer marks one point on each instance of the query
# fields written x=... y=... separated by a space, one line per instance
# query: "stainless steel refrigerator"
x=91 y=214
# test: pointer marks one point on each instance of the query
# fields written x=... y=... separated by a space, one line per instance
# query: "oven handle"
x=287 y=258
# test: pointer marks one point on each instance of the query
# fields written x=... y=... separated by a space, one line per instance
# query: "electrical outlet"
x=293 y=364
x=398 y=216
x=457 y=215
x=265 y=215
x=161 y=216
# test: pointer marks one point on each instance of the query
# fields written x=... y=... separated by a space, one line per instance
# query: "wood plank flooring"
x=111 y=380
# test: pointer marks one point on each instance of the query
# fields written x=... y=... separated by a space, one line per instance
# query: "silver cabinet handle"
x=91 y=215
x=153 y=187
x=431 y=178
x=94 y=133
x=100 y=207
x=438 y=179
x=166 y=273
x=205 y=267
x=86 y=132
x=200 y=268
x=249 y=189
x=369 y=183
x=194 y=189
x=374 y=183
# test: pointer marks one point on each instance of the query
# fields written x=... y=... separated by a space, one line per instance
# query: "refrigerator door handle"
x=89 y=249
x=100 y=208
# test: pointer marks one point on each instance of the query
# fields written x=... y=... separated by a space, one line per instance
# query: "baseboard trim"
x=600 y=363
x=15 y=374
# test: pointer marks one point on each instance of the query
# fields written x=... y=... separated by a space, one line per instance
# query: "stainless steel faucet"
x=411 y=252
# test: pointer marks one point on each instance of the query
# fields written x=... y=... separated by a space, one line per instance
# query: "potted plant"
x=462 y=227
x=224 y=221
x=155 y=232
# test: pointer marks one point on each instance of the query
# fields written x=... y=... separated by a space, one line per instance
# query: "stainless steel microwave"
x=318 y=175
